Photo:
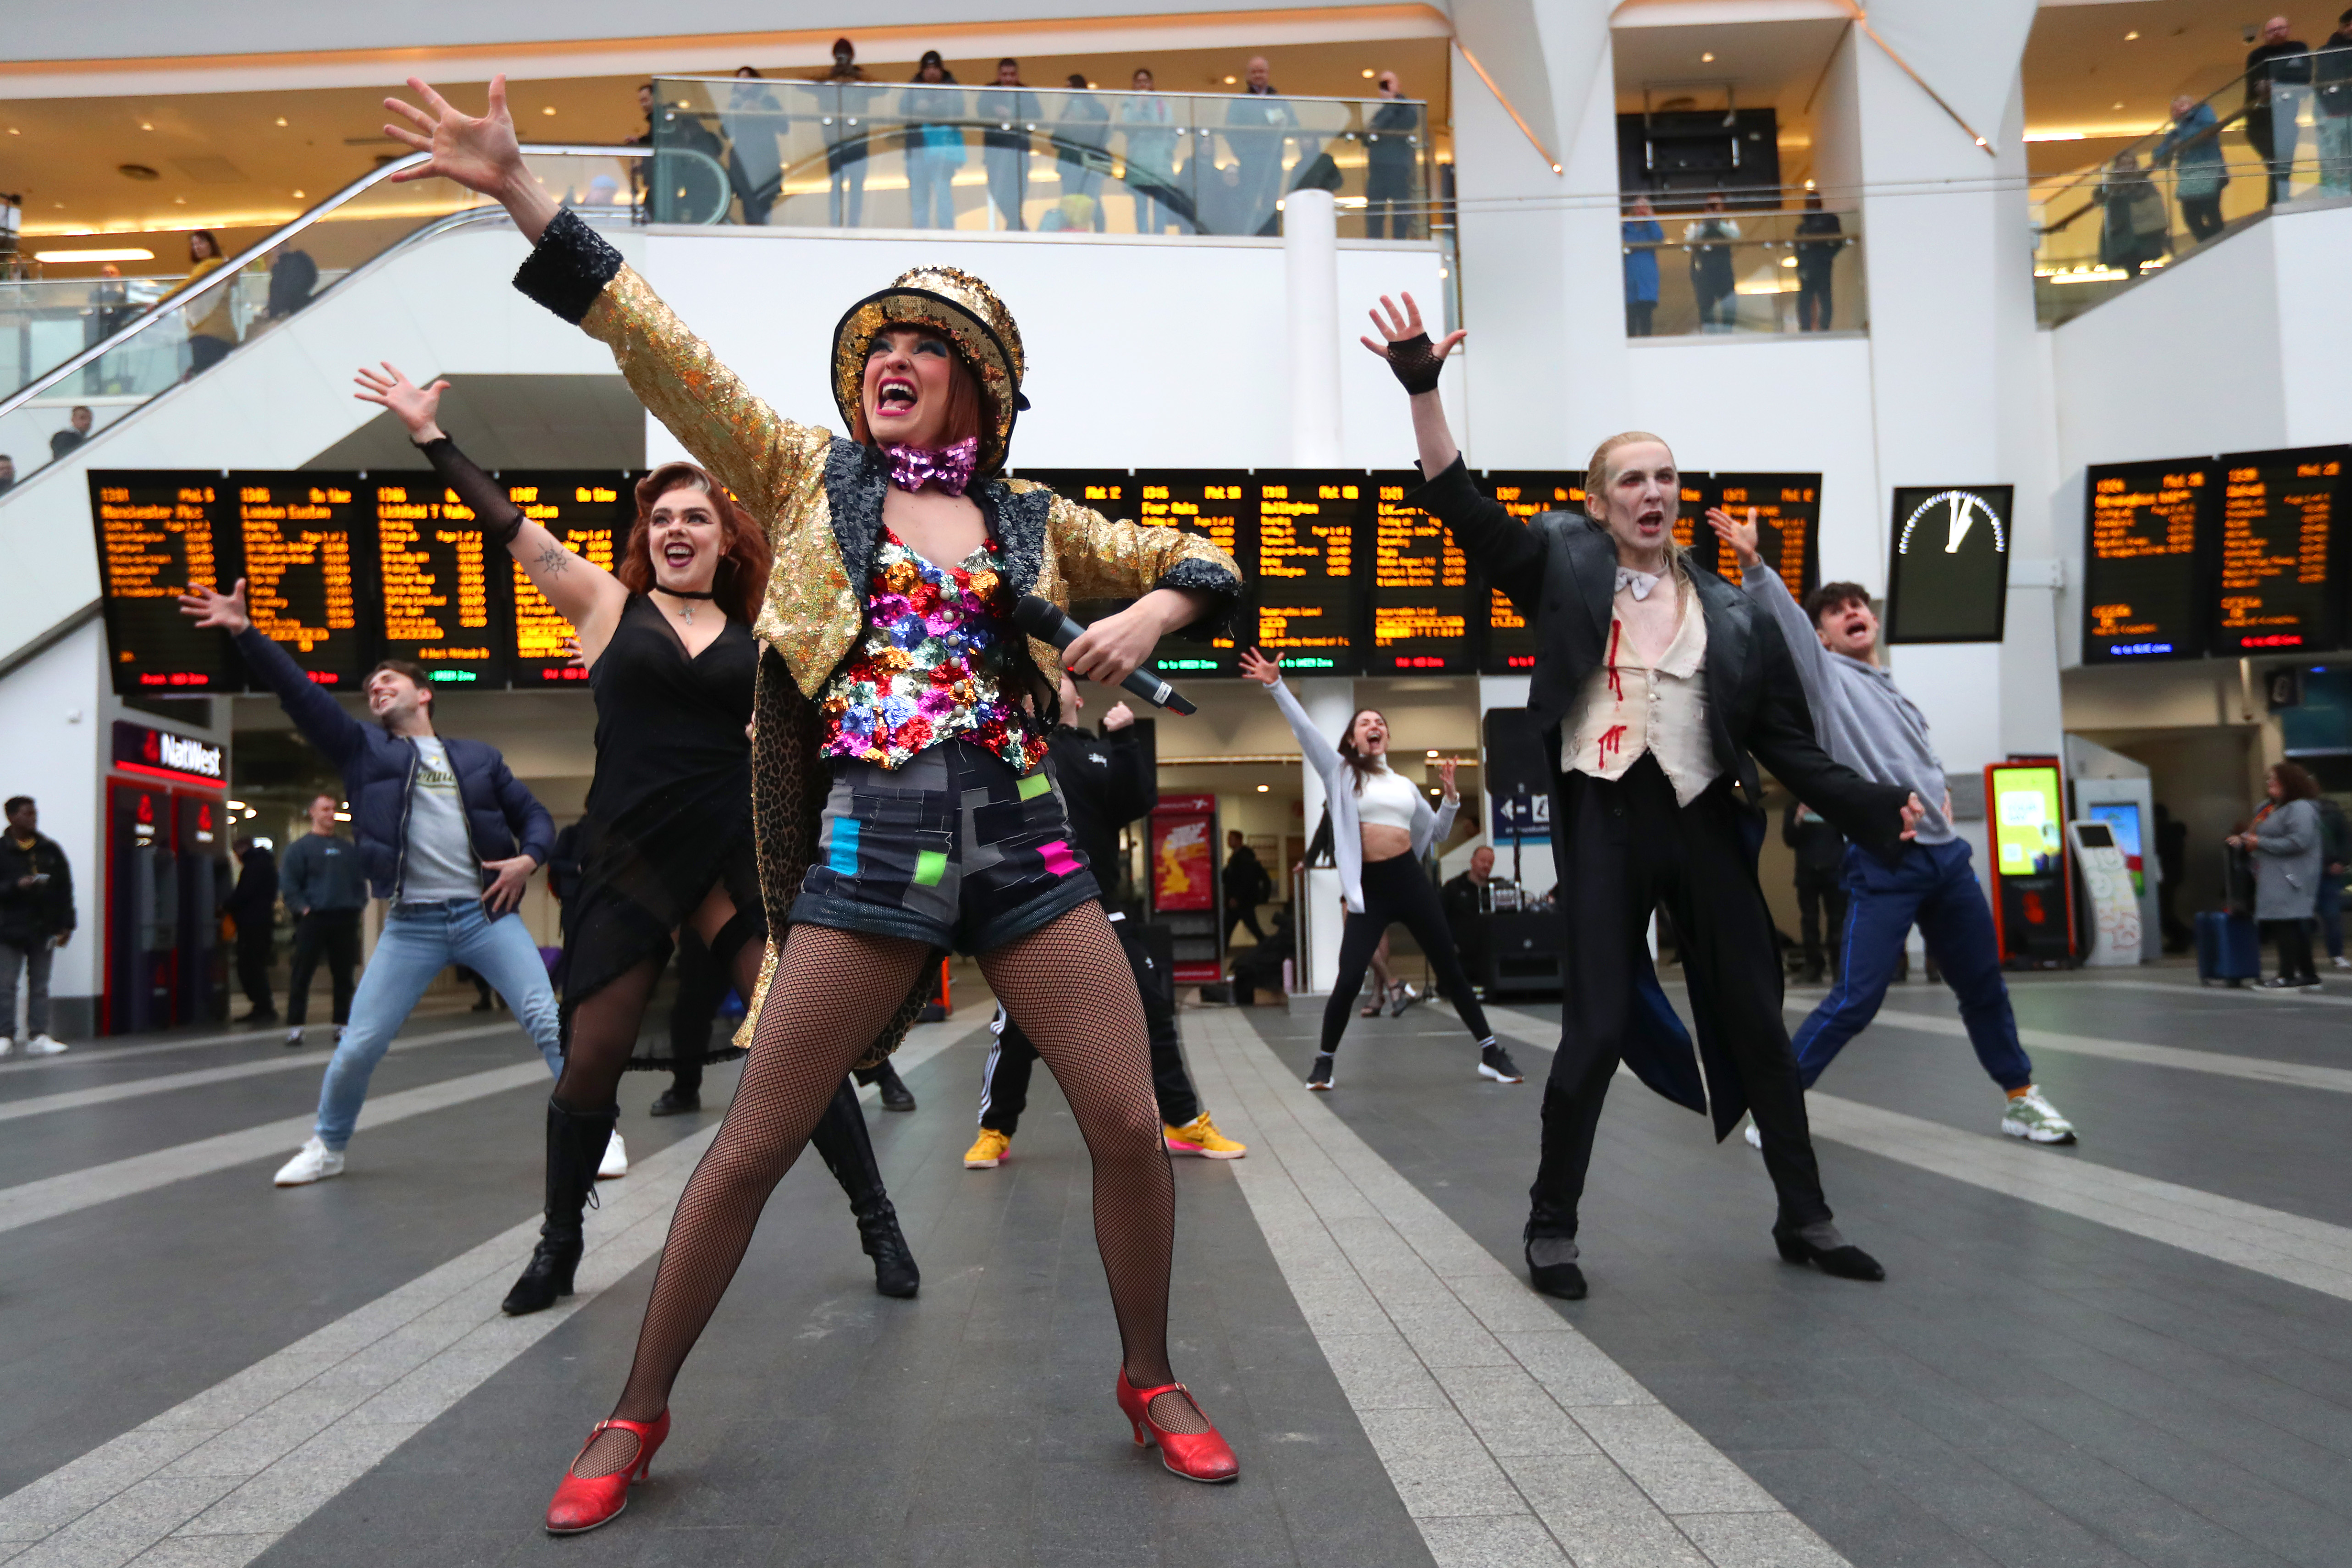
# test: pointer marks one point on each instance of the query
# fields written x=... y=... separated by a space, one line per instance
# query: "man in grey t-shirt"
x=1864 y=722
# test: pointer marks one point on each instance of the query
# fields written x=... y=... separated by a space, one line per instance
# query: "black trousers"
x=1820 y=900
x=335 y=935
x=1004 y=1081
x=257 y=948
x=2202 y=214
x=2294 y=939
x=1397 y=892
x=1238 y=913
x=1814 y=309
x=1627 y=847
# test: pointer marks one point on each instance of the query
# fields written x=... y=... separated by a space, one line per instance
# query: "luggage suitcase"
x=2227 y=948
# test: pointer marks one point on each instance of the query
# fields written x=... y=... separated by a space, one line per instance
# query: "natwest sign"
x=159 y=754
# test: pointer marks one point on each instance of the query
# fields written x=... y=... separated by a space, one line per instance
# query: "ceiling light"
x=1432 y=756
x=1788 y=261
x=1263 y=788
x=1707 y=59
x=2131 y=36
x=282 y=120
x=144 y=126
x=2053 y=136
x=2117 y=105
x=1980 y=142
x=549 y=109
x=14 y=131
x=1231 y=80
x=1808 y=185
x=179 y=201
x=72 y=256
x=297 y=196
x=1367 y=73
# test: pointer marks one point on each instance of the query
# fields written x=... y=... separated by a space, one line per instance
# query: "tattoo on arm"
x=553 y=559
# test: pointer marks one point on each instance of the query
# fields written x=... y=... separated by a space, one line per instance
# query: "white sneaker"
x=7 y=1045
x=314 y=1162
x=42 y=1046
x=1755 y=1139
x=2035 y=1120
x=294 y=1037
x=2339 y=961
x=615 y=1162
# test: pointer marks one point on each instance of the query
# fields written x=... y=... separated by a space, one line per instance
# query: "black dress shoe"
x=895 y=1095
x=1846 y=1262
x=1565 y=1280
x=673 y=1103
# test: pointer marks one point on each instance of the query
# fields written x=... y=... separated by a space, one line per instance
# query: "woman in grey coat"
x=2284 y=839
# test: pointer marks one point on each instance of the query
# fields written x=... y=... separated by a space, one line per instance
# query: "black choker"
x=684 y=593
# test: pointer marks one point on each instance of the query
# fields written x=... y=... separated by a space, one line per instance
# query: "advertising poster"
x=1183 y=860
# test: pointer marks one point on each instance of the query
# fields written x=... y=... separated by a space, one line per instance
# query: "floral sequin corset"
x=930 y=665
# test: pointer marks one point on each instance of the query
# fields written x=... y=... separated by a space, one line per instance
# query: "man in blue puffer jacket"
x=446 y=834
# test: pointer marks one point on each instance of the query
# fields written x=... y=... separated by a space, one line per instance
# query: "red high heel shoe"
x=584 y=1502
x=1195 y=1456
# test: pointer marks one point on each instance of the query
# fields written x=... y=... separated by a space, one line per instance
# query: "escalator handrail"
x=184 y=296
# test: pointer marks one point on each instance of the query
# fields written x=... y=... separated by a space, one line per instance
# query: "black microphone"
x=1043 y=619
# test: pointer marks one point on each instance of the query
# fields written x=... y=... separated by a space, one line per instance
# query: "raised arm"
x=1416 y=364
x=764 y=458
x=319 y=716
x=1763 y=584
x=582 y=593
x=1321 y=753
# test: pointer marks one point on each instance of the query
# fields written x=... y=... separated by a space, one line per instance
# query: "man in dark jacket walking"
x=1246 y=885
x=254 y=907
x=1660 y=688
x=1105 y=783
x=37 y=917
x=1820 y=862
x=446 y=833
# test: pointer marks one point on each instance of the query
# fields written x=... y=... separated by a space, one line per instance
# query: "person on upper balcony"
x=2278 y=80
x=2331 y=95
x=2191 y=143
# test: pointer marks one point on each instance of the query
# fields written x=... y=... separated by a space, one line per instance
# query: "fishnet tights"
x=1069 y=984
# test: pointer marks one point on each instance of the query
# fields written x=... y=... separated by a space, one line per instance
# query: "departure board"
x=1510 y=643
x=1312 y=543
x=1788 y=509
x=1690 y=530
x=2148 y=530
x=1204 y=502
x=305 y=542
x=2278 y=524
x=590 y=512
x=158 y=532
x=1425 y=610
x=442 y=606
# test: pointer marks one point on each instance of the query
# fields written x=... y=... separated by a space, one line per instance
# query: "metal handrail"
x=221 y=275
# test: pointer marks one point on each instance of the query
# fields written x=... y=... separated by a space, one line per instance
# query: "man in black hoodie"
x=37 y=917
x=254 y=907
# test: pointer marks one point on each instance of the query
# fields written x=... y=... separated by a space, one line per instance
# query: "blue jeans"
x=1933 y=888
x=419 y=941
x=2330 y=912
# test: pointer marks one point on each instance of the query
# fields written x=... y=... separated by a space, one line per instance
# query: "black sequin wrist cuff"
x=568 y=268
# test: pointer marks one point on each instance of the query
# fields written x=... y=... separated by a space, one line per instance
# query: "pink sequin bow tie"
x=950 y=468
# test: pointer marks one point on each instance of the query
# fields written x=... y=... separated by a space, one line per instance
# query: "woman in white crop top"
x=1380 y=827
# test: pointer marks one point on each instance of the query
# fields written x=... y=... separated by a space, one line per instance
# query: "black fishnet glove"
x=1416 y=363
x=499 y=517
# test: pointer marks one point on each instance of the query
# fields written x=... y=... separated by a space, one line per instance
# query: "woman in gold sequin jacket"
x=891 y=655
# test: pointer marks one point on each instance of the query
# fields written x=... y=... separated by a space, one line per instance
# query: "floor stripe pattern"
x=217 y=1479
x=1510 y=1436
x=2307 y=1252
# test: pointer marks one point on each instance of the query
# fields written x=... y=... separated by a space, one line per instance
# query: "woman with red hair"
x=667 y=840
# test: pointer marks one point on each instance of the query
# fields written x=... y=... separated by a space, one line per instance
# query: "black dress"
x=669 y=812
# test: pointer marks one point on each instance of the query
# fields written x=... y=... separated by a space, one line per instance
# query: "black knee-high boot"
x=841 y=1142
x=575 y=1144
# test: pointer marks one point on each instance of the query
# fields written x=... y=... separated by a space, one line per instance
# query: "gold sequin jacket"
x=820 y=498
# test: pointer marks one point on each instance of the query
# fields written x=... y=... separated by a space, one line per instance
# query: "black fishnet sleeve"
x=499 y=518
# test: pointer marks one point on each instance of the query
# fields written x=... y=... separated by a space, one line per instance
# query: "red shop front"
x=167 y=871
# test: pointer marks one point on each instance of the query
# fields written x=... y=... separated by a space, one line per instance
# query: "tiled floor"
x=2133 y=1352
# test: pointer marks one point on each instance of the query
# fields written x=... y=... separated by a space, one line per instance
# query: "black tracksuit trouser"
x=1628 y=847
x=1004 y=1081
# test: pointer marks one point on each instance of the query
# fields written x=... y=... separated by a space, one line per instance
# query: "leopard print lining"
x=790 y=779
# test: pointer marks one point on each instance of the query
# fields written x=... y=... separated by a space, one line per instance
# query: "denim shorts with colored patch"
x=954 y=849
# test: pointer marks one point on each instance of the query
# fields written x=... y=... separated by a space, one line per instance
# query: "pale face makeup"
x=910 y=374
x=1638 y=507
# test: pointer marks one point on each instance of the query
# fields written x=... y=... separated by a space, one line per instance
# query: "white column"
x=1331 y=702
x=1311 y=269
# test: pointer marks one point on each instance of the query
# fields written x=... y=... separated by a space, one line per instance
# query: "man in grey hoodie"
x=1864 y=723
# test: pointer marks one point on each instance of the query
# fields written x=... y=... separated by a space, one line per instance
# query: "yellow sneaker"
x=992 y=1151
x=1199 y=1136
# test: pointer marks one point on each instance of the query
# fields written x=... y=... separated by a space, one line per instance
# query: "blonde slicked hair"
x=1598 y=469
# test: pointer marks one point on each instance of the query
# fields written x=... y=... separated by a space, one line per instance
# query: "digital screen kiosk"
x=157 y=533
x=1949 y=576
x=1425 y=610
x=2034 y=898
x=2148 y=534
x=591 y=513
x=1510 y=645
x=307 y=568
x=2276 y=566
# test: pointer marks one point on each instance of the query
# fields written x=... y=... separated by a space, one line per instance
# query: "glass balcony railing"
x=943 y=155
x=2277 y=137
x=1690 y=272
x=110 y=344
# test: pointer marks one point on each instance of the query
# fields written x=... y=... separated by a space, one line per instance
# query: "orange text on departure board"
x=436 y=580
x=298 y=556
x=154 y=550
x=2270 y=537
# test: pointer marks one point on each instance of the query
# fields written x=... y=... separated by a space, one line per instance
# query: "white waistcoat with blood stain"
x=1627 y=708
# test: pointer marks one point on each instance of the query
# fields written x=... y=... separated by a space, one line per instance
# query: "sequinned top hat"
x=970 y=315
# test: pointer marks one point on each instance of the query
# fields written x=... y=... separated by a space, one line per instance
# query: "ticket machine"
x=167 y=869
